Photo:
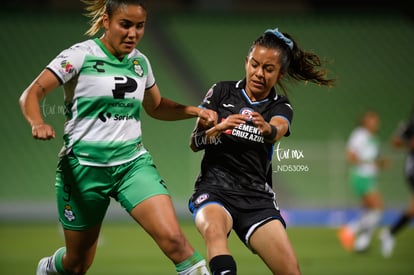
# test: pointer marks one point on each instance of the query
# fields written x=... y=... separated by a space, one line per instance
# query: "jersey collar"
x=241 y=84
x=107 y=52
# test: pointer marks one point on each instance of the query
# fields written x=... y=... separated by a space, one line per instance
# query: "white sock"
x=367 y=222
x=199 y=268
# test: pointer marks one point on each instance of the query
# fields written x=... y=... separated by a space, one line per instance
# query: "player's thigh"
x=270 y=241
x=81 y=193
x=213 y=221
x=141 y=182
x=157 y=216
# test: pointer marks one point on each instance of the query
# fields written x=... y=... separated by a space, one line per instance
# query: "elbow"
x=153 y=115
x=152 y=112
x=22 y=101
x=193 y=148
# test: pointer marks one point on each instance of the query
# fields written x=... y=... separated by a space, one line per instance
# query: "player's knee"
x=173 y=241
x=286 y=267
x=213 y=231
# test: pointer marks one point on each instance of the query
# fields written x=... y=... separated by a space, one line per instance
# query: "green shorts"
x=362 y=184
x=84 y=192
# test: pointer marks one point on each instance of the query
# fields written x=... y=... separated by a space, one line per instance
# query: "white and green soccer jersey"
x=103 y=99
x=366 y=146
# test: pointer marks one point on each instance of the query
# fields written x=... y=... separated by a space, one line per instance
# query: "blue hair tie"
x=280 y=35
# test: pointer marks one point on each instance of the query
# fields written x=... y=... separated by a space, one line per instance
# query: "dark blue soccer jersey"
x=239 y=160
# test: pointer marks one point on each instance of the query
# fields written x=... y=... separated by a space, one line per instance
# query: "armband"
x=272 y=134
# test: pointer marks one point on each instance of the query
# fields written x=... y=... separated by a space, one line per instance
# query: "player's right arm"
x=29 y=104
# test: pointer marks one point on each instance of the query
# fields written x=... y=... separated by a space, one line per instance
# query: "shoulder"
x=359 y=134
x=281 y=105
x=281 y=99
x=138 y=54
x=138 y=58
x=222 y=86
x=356 y=132
x=87 y=46
x=235 y=84
x=77 y=52
x=278 y=98
x=218 y=91
x=69 y=62
x=227 y=86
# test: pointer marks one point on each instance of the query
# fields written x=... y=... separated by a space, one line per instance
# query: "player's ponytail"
x=295 y=63
x=95 y=9
x=307 y=66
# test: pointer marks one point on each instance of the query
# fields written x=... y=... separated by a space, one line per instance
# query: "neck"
x=109 y=48
x=256 y=97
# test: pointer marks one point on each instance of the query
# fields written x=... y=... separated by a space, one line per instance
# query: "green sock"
x=189 y=262
x=58 y=260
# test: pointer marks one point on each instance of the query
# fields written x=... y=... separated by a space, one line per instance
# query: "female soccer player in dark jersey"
x=107 y=82
x=404 y=138
x=234 y=187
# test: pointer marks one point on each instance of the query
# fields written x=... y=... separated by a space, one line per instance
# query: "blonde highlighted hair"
x=95 y=9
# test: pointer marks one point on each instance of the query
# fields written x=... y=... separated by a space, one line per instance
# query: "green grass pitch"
x=124 y=249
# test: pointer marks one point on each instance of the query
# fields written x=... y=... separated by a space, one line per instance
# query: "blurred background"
x=191 y=45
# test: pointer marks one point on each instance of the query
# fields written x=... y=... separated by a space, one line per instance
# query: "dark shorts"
x=245 y=220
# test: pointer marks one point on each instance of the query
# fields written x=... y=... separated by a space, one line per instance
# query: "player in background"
x=363 y=155
x=106 y=83
x=403 y=138
x=234 y=188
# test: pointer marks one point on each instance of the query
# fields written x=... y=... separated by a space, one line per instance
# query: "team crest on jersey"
x=138 y=68
x=202 y=198
x=66 y=67
x=247 y=111
x=68 y=213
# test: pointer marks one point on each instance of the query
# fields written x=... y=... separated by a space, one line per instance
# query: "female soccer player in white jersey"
x=107 y=82
x=234 y=188
x=363 y=155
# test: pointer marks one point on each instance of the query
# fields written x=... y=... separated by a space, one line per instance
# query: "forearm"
x=34 y=93
x=201 y=137
x=29 y=104
x=272 y=135
x=170 y=110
